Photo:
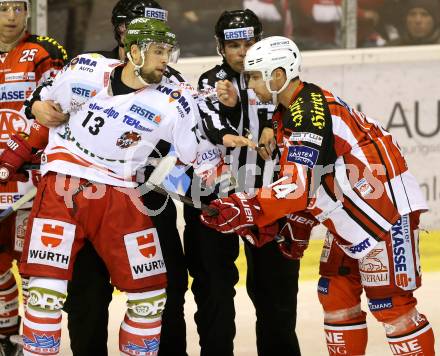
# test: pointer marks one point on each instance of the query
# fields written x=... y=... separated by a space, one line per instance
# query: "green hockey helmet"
x=143 y=31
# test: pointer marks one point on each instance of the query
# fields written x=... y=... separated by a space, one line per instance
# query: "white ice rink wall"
x=399 y=86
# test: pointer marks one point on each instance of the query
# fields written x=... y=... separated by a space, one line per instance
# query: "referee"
x=272 y=280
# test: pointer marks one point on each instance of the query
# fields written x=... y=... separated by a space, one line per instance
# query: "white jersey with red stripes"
x=109 y=138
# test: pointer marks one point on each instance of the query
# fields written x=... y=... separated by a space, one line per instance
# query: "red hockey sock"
x=418 y=341
x=347 y=337
x=9 y=320
x=41 y=333
x=137 y=337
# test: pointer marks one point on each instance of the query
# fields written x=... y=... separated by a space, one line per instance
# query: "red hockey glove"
x=13 y=157
x=261 y=236
x=293 y=238
x=235 y=213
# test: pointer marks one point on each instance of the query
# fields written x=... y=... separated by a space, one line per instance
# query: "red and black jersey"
x=34 y=60
x=340 y=165
x=31 y=62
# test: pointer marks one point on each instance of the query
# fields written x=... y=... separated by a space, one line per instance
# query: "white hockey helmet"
x=27 y=2
x=271 y=53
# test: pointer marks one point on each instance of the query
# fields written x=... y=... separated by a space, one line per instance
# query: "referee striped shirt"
x=249 y=116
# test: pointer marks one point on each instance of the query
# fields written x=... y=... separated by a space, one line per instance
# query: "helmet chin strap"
x=276 y=92
x=138 y=67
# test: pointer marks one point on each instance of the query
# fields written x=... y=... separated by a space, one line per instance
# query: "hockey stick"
x=18 y=204
x=159 y=174
x=185 y=200
x=156 y=178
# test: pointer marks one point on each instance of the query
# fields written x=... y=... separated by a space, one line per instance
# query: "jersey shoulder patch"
x=52 y=47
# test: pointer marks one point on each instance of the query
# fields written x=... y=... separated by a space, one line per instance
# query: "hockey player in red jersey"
x=342 y=169
x=25 y=61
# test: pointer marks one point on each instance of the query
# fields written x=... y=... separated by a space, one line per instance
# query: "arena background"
x=397 y=86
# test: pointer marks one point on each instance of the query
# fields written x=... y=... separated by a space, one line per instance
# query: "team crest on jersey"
x=75 y=106
x=11 y=122
x=128 y=139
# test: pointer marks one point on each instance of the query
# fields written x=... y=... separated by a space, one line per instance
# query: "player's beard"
x=152 y=77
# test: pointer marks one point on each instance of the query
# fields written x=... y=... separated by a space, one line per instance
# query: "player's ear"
x=278 y=77
x=135 y=53
x=279 y=74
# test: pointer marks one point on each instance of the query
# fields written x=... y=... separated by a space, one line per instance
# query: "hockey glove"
x=16 y=153
x=236 y=214
x=293 y=238
x=260 y=236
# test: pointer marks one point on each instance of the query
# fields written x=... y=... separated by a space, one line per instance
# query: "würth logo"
x=52 y=235
x=146 y=245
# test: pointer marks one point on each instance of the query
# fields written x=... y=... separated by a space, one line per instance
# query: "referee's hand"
x=230 y=140
x=266 y=143
x=226 y=93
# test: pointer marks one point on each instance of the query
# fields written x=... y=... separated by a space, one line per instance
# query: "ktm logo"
x=11 y=122
x=52 y=235
x=146 y=245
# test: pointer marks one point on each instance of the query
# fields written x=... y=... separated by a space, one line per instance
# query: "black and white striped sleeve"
x=215 y=124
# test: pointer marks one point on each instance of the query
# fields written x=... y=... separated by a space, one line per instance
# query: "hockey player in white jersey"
x=118 y=113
